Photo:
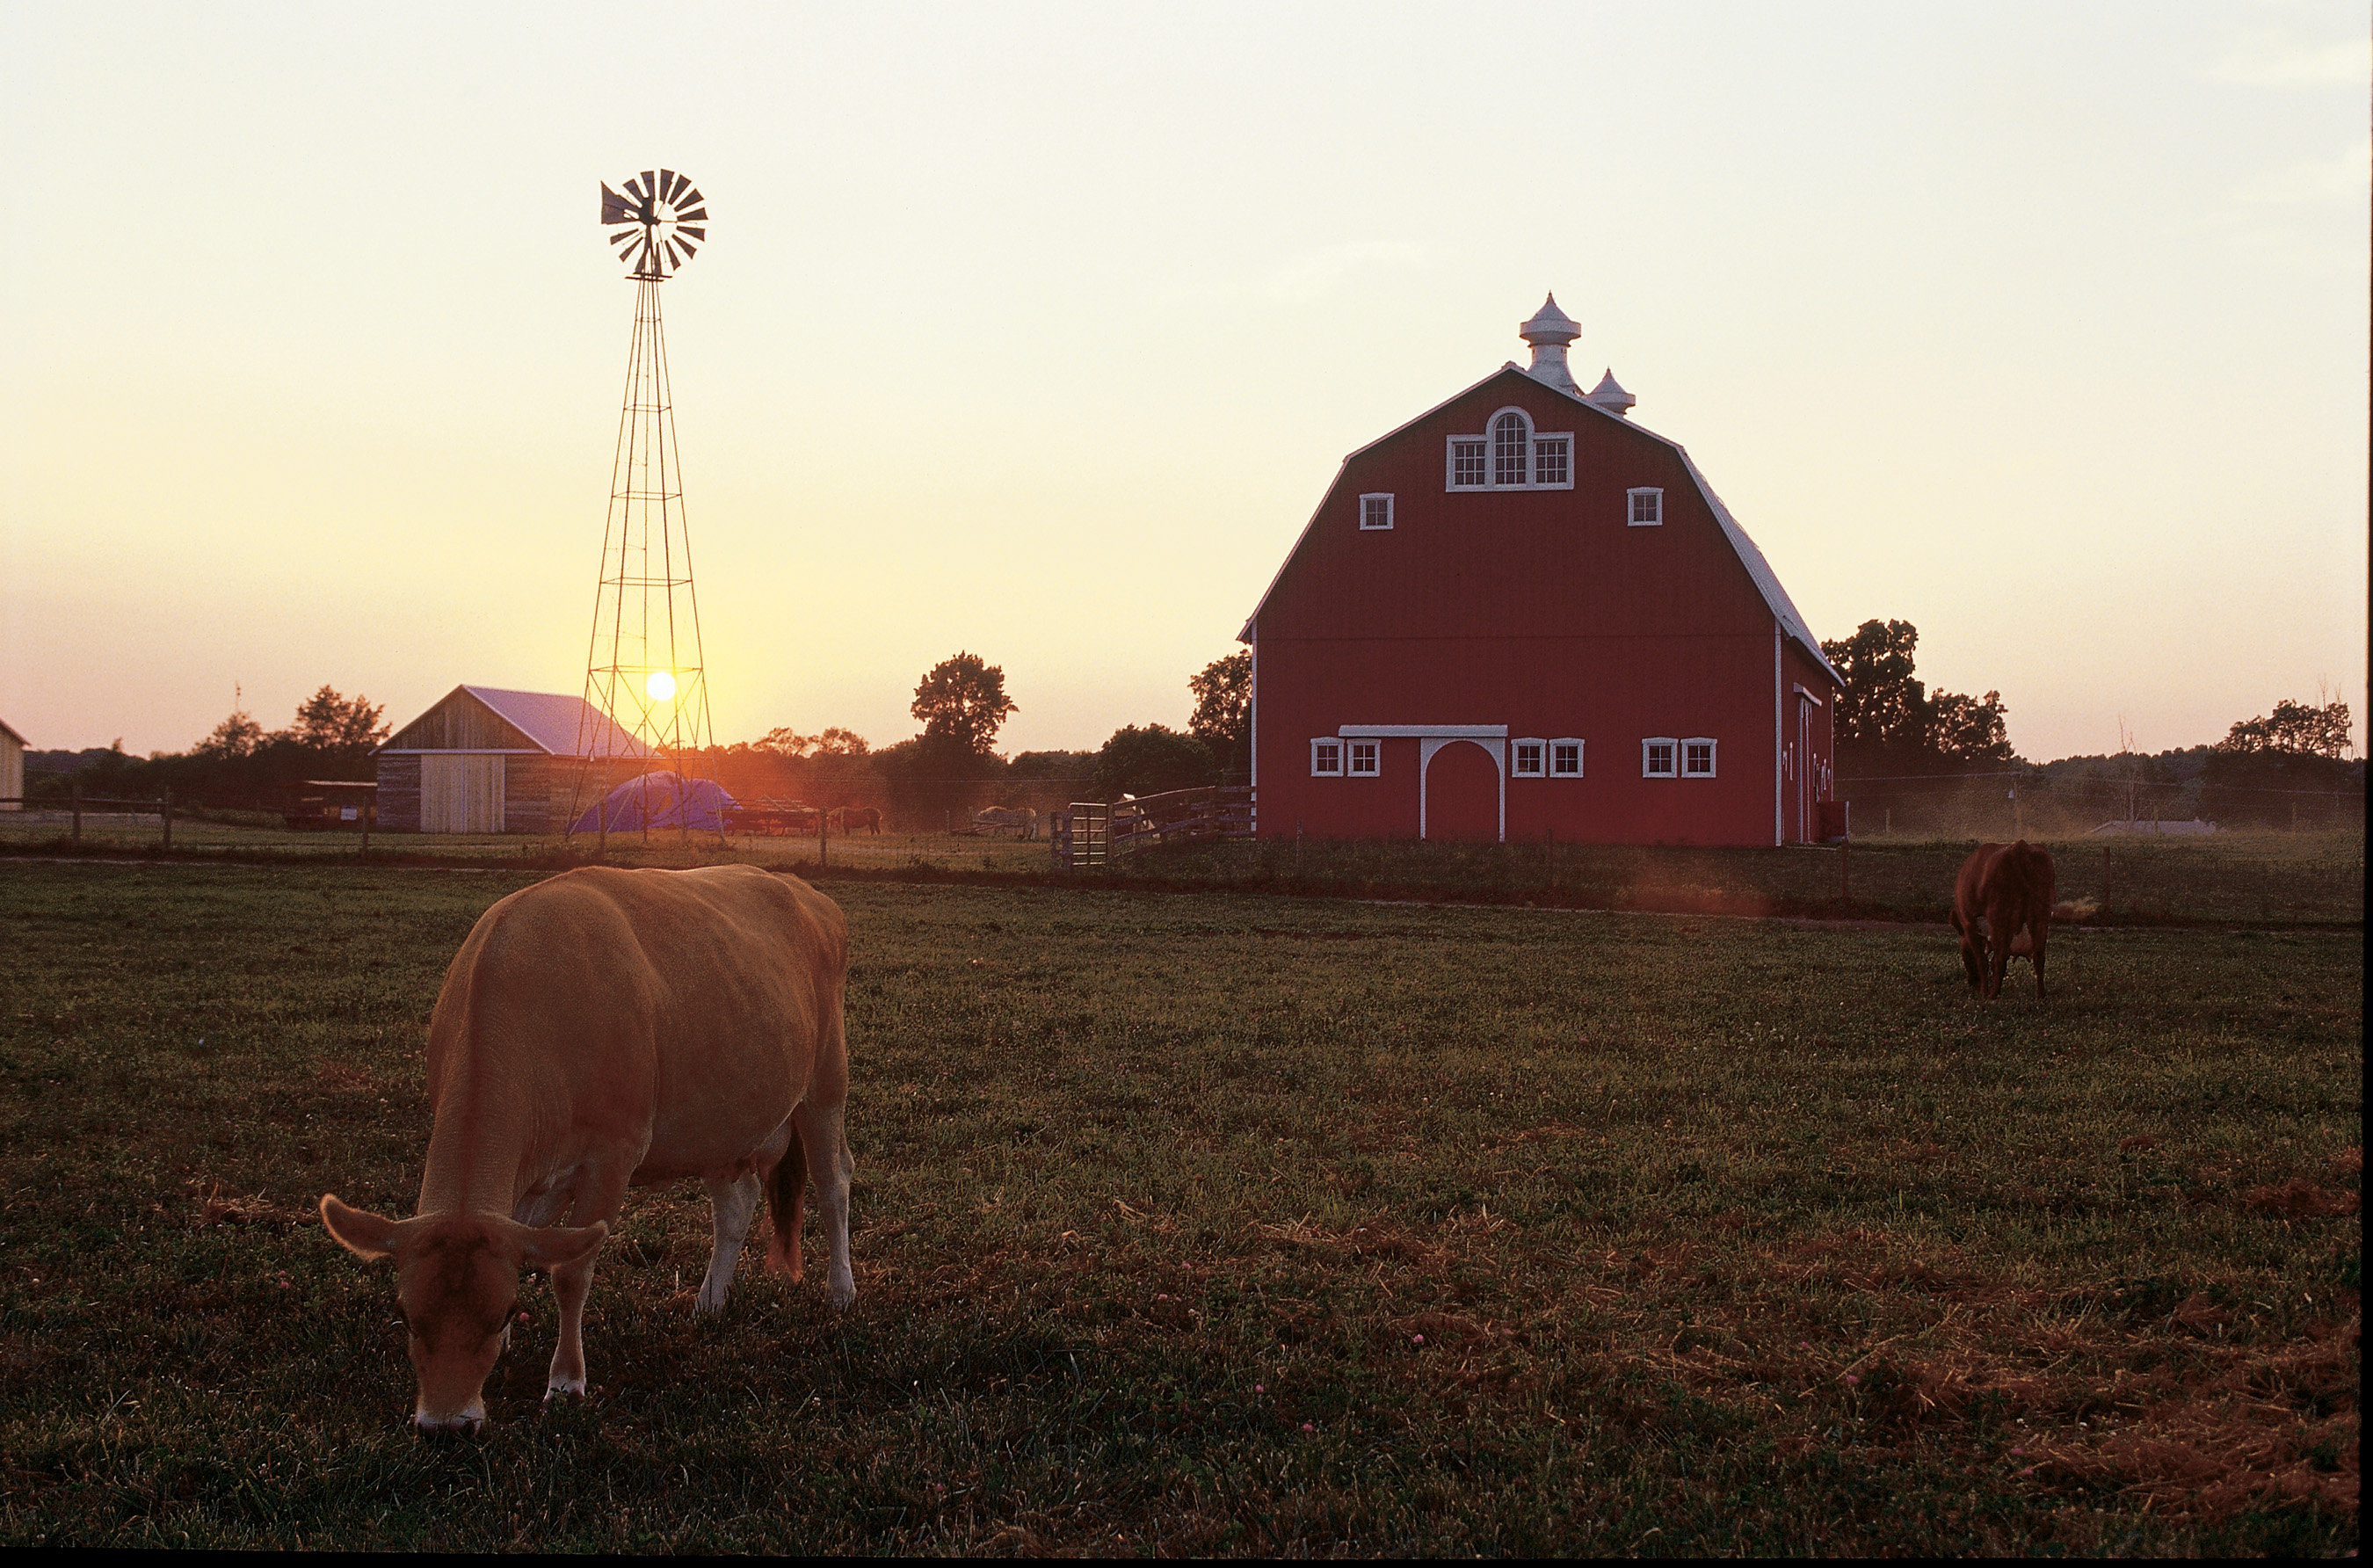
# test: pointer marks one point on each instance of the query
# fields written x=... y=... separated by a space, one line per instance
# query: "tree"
x=236 y=736
x=2294 y=727
x=1968 y=729
x=1223 y=709
x=1149 y=761
x=961 y=702
x=834 y=742
x=1882 y=704
x=1885 y=715
x=328 y=722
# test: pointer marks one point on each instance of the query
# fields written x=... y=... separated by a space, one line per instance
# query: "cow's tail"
x=787 y=1201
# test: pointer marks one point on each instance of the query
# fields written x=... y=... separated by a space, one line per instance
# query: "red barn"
x=1521 y=615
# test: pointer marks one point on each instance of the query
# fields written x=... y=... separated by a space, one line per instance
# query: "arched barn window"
x=1510 y=449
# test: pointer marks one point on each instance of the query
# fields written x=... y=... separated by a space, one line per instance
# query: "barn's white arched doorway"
x=1464 y=793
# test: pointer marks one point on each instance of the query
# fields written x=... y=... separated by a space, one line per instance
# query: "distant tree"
x=1885 y=715
x=1883 y=705
x=329 y=723
x=1223 y=709
x=1151 y=760
x=1968 y=729
x=236 y=736
x=962 y=703
x=833 y=742
x=2293 y=727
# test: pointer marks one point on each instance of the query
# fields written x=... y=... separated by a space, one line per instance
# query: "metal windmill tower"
x=645 y=666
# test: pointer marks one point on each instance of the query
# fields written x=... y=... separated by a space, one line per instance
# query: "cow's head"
x=457 y=1285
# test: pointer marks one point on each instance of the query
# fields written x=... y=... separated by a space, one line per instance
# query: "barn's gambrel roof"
x=1759 y=570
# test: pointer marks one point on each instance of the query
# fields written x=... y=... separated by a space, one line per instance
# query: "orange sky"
x=1038 y=331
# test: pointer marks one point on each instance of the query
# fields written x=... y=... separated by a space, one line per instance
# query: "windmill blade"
x=668 y=178
x=614 y=206
x=688 y=247
x=623 y=235
x=669 y=247
x=691 y=198
x=696 y=233
x=651 y=184
x=634 y=188
x=692 y=215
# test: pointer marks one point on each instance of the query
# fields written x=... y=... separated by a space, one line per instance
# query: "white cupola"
x=1548 y=332
x=1609 y=395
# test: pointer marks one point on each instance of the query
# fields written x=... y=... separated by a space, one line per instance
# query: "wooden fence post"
x=165 y=810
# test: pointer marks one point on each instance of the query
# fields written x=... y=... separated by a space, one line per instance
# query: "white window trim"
x=1630 y=506
x=1367 y=527
x=1681 y=758
x=1516 y=768
x=1580 y=757
x=1450 y=456
x=1352 y=768
x=1647 y=772
x=1316 y=770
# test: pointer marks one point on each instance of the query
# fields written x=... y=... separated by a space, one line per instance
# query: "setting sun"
x=660 y=684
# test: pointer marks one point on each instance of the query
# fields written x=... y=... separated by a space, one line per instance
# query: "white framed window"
x=1529 y=759
x=1376 y=512
x=1327 y=758
x=1512 y=443
x=1697 y=759
x=1565 y=757
x=1551 y=469
x=1466 y=463
x=1511 y=455
x=1647 y=508
x=1658 y=757
x=1364 y=759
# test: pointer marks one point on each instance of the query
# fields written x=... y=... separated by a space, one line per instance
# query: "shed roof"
x=1759 y=570
x=552 y=723
x=11 y=730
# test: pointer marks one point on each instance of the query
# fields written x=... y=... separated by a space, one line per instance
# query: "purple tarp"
x=659 y=798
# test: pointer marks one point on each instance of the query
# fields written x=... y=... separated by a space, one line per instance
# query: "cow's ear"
x=554 y=1247
x=363 y=1233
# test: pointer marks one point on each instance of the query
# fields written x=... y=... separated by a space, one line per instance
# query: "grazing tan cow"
x=1023 y=820
x=851 y=818
x=601 y=1030
x=2001 y=905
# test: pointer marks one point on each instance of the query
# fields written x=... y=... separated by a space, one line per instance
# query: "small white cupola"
x=1609 y=395
x=1548 y=332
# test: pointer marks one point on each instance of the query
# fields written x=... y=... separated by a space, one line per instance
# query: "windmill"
x=644 y=667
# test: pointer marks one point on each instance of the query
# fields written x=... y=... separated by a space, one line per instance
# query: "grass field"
x=1218 y=1221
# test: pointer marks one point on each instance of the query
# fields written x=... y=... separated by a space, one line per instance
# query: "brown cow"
x=601 y=1030
x=2001 y=905
x=851 y=818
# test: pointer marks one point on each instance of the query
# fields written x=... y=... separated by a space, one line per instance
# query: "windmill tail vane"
x=658 y=221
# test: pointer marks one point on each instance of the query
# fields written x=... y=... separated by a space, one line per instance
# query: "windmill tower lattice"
x=644 y=667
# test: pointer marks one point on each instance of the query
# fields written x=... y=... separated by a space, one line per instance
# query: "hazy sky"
x=1039 y=329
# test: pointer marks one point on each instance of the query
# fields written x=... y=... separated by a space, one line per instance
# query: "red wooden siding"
x=1541 y=609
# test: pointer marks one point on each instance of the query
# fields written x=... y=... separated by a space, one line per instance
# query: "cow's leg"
x=600 y=1191
x=2043 y=923
x=830 y=1169
x=1972 y=954
x=732 y=1204
x=1999 y=921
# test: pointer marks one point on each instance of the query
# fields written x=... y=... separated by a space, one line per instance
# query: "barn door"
x=462 y=793
x=1803 y=769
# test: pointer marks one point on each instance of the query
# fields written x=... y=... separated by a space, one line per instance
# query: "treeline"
x=1911 y=759
x=240 y=765
x=951 y=767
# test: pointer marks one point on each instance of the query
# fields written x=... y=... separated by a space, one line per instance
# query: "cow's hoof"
x=706 y=1305
x=844 y=1294
x=566 y=1388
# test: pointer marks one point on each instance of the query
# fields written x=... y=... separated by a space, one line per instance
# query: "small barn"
x=485 y=760
x=1521 y=616
x=12 y=768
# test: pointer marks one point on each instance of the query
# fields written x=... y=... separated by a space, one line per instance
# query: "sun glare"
x=660 y=684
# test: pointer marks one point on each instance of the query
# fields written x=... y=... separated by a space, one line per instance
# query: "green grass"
x=1225 y=1223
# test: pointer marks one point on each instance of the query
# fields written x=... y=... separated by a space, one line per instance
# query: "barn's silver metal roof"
x=554 y=722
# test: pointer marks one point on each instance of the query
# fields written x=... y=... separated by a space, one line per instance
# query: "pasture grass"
x=1220 y=1223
